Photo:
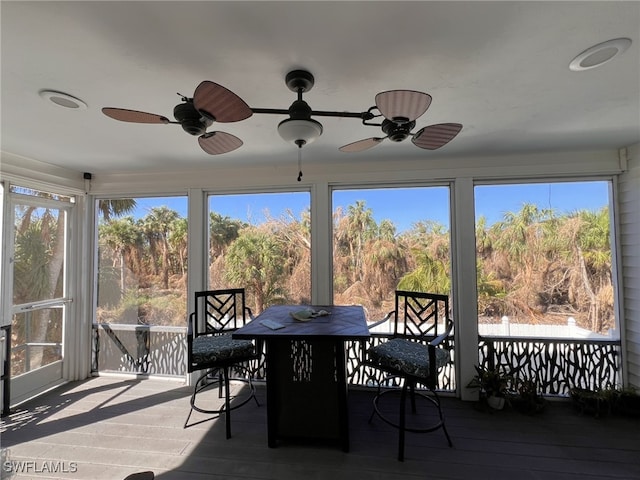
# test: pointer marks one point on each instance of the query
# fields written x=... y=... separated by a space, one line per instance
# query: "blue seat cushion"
x=220 y=348
x=406 y=357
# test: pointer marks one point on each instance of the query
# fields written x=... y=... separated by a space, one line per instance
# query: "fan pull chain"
x=299 y=163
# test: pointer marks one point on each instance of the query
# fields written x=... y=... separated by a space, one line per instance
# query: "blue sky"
x=405 y=206
x=493 y=202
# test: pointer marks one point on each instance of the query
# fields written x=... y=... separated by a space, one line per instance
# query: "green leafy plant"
x=492 y=382
x=527 y=398
x=597 y=402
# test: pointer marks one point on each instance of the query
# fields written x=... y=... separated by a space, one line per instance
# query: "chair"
x=413 y=356
x=211 y=348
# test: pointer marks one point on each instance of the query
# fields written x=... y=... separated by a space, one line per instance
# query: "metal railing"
x=555 y=364
x=139 y=349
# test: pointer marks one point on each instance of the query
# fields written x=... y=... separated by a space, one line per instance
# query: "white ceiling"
x=498 y=68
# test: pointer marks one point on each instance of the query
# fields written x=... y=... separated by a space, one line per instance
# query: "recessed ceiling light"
x=599 y=54
x=63 y=99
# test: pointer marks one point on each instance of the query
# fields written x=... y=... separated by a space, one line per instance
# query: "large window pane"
x=386 y=239
x=544 y=260
x=142 y=261
x=261 y=242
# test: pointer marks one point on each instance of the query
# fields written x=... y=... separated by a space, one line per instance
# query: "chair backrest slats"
x=219 y=311
x=420 y=314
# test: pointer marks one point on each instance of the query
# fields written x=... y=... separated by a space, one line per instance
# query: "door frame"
x=41 y=379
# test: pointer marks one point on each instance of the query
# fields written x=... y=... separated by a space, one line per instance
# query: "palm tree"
x=116 y=207
x=351 y=233
x=594 y=258
x=178 y=242
x=383 y=266
x=222 y=231
x=294 y=238
x=121 y=236
x=520 y=231
x=430 y=275
x=255 y=260
x=524 y=248
x=157 y=225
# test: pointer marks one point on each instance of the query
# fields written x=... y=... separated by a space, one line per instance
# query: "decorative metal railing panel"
x=556 y=365
x=162 y=351
x=139 y=349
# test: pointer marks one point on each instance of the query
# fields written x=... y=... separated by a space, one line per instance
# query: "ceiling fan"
x=401 y=109
x=211 y=102
x=214 y=103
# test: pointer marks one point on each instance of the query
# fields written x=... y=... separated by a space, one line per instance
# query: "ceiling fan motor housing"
x=299 y=128
x=190 y=119
x=299 y=110
x=397 y=131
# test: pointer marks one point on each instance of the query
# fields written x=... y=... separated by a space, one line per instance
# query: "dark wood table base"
x=306 y=371
x=307 y=391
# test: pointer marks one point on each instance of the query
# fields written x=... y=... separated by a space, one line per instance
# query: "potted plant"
x=493 y=384
x=527 y=398
x=592 y=402
x=627 y=402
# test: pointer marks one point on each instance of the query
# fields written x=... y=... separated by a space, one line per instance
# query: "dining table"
x=306 y=374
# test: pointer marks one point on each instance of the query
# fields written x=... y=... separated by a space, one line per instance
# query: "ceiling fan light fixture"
x=299 y=131
x=62 y=99
x=599 y=54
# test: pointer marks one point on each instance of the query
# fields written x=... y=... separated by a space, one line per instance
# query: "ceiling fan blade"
x=219 y=103
x=134 y=116
x=361 y=145
x=406 y=104
x=435 y=136
x=215 y=143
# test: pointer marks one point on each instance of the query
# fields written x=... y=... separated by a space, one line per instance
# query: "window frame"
x=614 y=240
x=449 y=185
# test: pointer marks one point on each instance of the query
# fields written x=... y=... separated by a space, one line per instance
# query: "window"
x=386 y=239
x=261 y=242
x=142 y=261
x=544 y=263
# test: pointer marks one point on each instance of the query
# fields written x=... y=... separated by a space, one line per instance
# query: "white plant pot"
x=497 y=403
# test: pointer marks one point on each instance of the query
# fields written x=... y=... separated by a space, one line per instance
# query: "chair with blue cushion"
x=211 y=349
x=413 y=356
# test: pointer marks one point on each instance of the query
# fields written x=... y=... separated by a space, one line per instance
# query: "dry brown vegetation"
x=534 y=267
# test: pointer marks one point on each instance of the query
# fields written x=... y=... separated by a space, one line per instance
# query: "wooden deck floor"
x=107 y=428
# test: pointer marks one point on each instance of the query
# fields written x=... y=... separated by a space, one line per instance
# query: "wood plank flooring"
x=107 y=428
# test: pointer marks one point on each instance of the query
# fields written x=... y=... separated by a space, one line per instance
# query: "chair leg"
x=409 y=388
x=444 y=427
x=373 y=410
x=223 y=375
x=250 y=381
x=220 y=384
x=192 y=402
x=412 y=393
x=401 y=423
x=227 y=401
